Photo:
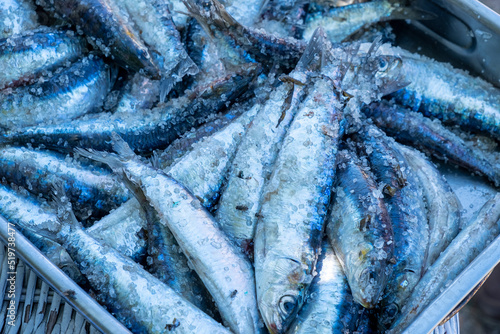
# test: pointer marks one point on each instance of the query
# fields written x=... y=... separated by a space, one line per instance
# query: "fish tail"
x=217 y=18
x=63 y=207
x=316 y=53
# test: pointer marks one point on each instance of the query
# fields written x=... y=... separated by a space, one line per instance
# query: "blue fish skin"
x=25 y=57
x=431 y=137
x=146 y=130
x=93 y=191
x=360 y=230
x=455 y=97
x=71 y=93
x=408 y=214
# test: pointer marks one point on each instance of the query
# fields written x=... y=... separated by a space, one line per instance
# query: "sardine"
x=443 y=207
x=25 y=57
x=441 y=91
x=226 y=273
x=91 y=190
x=109 y=29
x=145 y=130
x=406 y=209
x=20 y=209
x=431 y=137
x=342 y=22
x=360 y=230
x=462 y=250
x=139 y=300
x=294 y=206
x=71 y=93
x=154 y=23
x=329 y=307
x=16 y=17
x=240 y=202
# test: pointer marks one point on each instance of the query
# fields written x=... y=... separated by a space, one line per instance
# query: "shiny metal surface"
x=61 y=283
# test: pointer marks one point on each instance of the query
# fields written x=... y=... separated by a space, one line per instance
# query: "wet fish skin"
x=16 y=17
x=431 y=137
x=144 y=131
x=342 y=22
x=443 y=206
x=110 y=29
x=468 y=243
x=258 y=45
x=71 y=93
x=440 y=91
x=92 y=190
x=154 y=23
x=407 y=212
x=25 y=57
x=360 y=230
x=20 y=209
x=290 y=226
x=226 y=273
x=329 y=306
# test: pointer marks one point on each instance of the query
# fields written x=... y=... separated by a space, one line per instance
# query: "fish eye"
x=287 y=305
x=392 y=310
x=383 y=63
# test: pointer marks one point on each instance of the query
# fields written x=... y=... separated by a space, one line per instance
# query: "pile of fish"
x=207 y=167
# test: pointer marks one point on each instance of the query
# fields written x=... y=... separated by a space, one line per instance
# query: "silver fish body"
x=145 y=130
x=407 y=211
x=140 y=93
x=226 y=273
x=342 y=22
x=16 y=17
x=91 y=190
x=438 y=90
x=109 y=29
x=483 y=228
x=329 y=307
x=24 y=57
x=443 y=207
x=73 y=92
x=360 y=230
x=156 y=29
x=294 y=207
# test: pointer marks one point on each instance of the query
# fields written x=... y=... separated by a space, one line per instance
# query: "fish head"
x=367 y=277
x=389 y=74
x=281 y=293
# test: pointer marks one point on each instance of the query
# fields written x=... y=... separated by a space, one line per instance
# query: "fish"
x=130 y=292
x=360 y=230
x=443 y=206
x=146 y=130
x=109 y=29
x=25 y=57
x=226 y=273
x=258 y=46
x=451 y=95
x=431 y=137
x=329 y=306
x=471 y=241
x=23 y=209
x=407 y=211
x=16 y=17
x=66 y=95
x=92 y=190
x=342 y=22
x=295 y=202
x=239 y=205
x=156 y=29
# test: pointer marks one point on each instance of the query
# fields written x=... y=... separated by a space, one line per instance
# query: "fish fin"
x=62 y=205
x=155 y=160
x=315 y=55
x=121 y=147
x=110 y=159
x=217 y=18
x=410 y=13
